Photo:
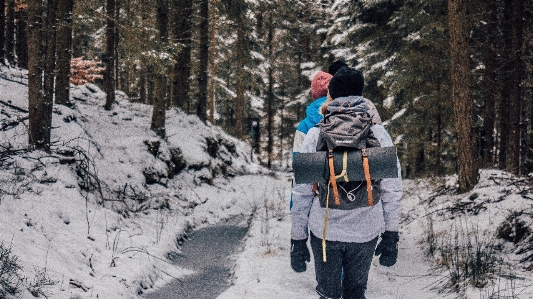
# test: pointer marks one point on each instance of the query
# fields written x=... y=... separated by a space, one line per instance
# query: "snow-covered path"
x=264 y=271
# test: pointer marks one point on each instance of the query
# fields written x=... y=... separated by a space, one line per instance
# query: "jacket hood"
x=349 y=103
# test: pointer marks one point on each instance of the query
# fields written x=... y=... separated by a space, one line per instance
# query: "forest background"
x=452 y=79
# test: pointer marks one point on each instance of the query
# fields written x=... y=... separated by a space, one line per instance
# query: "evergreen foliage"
x=262 y=55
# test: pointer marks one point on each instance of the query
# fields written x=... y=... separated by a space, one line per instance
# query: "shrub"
x=84 y=71
x=470 y=256
x=10 y=279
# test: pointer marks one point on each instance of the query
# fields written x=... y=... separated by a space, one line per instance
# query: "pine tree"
x=462 y=102
x=21 y=28
x=515 y=95
x=160 y=100
x=10 y=32
x=2 y=30
x=63 y=45
x=201 y=105
x=40 y=111
x=181 y=29
x=50 y=51
x=109 y=60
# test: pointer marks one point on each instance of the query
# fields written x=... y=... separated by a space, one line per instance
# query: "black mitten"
x=299 y=255
x=388 y=248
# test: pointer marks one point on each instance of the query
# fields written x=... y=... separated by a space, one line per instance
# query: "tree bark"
x=182 y=67
x=240 y=63
x=160 y=106
x=21 y=17
x=117 y=39
x=143 y=80
x=270 y=95
x=10 y=32
x=490 y=60
x=212 y=65
x=505 y=102
x=109 y=55
x=50 y=55
x=467 y=159
x=64 y=54
x=143 y=84
x=201 y=106
x=2 y=30
x=160 y=84
x=515 y=95
x=40 y=112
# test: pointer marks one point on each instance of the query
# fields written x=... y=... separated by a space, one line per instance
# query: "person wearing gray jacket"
x=352 y=235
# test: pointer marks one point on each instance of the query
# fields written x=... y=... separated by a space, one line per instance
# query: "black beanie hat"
x=347 y=81
x=334 y=67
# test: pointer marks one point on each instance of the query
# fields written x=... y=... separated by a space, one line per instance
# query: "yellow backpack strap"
x=332 y=179
x=326 y=218
x=344 y=173
x=366 y=169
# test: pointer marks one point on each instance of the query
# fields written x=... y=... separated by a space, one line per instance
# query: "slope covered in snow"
x=99 y=215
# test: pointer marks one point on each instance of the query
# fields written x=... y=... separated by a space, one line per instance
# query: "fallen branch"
x=14 y=107
x=14 y=123
x=78 y=285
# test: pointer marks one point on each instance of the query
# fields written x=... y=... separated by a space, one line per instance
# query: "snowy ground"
x=100 y=215
x=264 y=272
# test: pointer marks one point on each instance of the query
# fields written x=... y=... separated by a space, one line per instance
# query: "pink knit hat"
x=319 y=85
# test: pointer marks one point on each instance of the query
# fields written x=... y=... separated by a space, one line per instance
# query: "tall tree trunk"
x=240 y=63
x=130 y=67
x=487 y=139
x=270 y=95
x=21 y=37
x=2 y=30
x=143 y=84
x=504 y=106
x=467 y=159
x=117 y=39
x=182 y=68
x=50 y=55
x=439 y=142
x=40 y=112
x=109 y=55
x=64 y=54
x=160 y=84
x=305 y=34
x=212 y=65
x=160 y=105
x=515 y=95
x=201 y=106
x=10 y=32
x=143 y=80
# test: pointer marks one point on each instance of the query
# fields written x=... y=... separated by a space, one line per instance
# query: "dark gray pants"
x=345 y=273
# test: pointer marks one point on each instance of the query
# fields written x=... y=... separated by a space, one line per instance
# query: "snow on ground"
x=100 y=215
x=263 y=269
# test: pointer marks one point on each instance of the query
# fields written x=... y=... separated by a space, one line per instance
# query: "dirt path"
x=208 y=253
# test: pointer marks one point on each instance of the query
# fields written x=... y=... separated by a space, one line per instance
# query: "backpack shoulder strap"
x=366 y=170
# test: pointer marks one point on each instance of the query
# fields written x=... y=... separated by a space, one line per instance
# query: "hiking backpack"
x=345 y=132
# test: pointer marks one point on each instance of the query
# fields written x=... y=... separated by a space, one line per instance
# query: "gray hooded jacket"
x=357 y=225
